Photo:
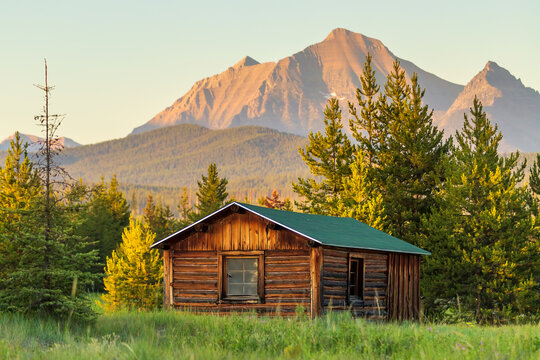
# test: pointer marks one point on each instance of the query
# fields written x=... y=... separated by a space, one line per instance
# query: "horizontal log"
x=196 y=285
x=334 y=292
x=196 y=291
x=374 y=276
x=369 y=256
x=285 y=268
x=194 y=254
x=271 y=253
x=289 y=285
x=299 y=301
x=372 y=284
x=202 y=261
x=373 y=262
x=334 y=283
x=286 y=259
x=285 y=279
x=335 y=260
x=209 y=297
x=337 y=253
x=192 y=300
x=337 y=270
x=194 y=276
x=194 y=282
x=298 y=291
x=334 y=275
x=268 y=273
x=376 y=268
x=286 y=297
x=199 y=269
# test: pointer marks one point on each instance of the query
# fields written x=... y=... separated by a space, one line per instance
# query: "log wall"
x=403 y=286
x=196 y=263
x=335 y=283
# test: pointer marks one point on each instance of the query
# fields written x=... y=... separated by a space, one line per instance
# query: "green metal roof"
x=336 y=231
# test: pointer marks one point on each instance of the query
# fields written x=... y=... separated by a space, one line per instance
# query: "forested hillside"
x=250 y=157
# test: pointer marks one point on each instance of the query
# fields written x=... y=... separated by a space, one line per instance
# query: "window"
x=356 y=279
x=241 y=276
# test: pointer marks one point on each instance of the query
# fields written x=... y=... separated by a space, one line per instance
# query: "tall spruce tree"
x=103 y=216
x=212 y=193
x=53 y=264
x=366 y=125
x=328 y=156
x=482 y=233
x=411 y=157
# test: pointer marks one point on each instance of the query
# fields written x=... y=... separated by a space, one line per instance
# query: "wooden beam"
x=167 y=279
x=316 y=265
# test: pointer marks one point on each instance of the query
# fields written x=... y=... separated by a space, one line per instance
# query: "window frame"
x=222 y=277
x=361 y=280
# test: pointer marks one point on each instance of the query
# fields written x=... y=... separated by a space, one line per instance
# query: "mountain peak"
x=339 y=32
x=246 y=61
x=33 y=141
x=492 y=66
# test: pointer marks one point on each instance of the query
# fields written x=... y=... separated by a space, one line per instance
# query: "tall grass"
x=178 y=335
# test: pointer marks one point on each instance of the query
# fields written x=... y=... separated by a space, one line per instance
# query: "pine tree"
x=52 y=267
x=482 y=234
x=159 y=218
x=534 y=178
x=359 y=199
x=20 y=193
x=403 y=151
x=185 y=209
x=103 y=216
x=134 y=272
x=366 y=125
x=328 y=156
x=212 y=193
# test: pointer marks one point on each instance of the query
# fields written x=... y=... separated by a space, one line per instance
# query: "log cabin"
x=250 y=258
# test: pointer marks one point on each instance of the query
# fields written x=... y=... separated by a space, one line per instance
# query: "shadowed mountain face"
x=508 y=103
x=290 y=95
x=33 y=140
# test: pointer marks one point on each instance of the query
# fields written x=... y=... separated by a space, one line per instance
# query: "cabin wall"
x=195 y=269
x=403 y=286
x=335 y=282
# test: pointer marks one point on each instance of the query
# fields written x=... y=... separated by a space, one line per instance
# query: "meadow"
x=180 y=335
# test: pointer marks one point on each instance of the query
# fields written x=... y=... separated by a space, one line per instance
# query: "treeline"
x=458 y=198
x=60 y=240
x=249 y=156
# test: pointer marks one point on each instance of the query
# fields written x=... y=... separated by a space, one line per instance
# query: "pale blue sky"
x=115 y=63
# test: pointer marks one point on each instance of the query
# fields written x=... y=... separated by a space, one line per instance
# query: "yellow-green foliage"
x=134 y=272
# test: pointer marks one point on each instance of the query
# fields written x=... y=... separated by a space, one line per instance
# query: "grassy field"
x=177 y=335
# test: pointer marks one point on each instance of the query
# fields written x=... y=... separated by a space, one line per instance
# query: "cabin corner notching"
x=250 y=258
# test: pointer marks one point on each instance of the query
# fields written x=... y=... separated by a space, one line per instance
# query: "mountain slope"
x=507 y=102
x=32 y=140
x=177 y=156
x=290 y=95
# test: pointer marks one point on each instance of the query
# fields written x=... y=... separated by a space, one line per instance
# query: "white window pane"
x=234 y=264
x=251 y=289
x=236 y=277
x=235 y=289
x=250 y=264
x=251 y=277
